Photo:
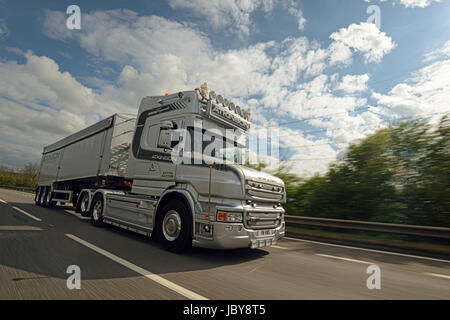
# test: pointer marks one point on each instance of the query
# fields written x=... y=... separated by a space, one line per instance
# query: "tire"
x=48 y=202
x=174 y=227
x=75 y=200
x=36 y=194
x=44 y=197
x=84 y=205
x=37 y=200
x=97 y=208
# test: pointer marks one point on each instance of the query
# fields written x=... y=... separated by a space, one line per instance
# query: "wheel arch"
x=103 y=193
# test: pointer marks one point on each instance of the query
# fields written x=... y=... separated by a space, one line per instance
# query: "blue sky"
x=316 y=69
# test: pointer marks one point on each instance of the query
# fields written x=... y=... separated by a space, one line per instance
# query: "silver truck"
x=121 y=171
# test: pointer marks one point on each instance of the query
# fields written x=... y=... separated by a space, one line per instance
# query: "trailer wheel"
x=84 y=204
x=43 y=200
x=96 y=211
x=174 y=228
x=75 y=200
x=48 y=199
x=38 y=196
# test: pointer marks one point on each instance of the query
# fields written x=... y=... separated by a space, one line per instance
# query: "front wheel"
x=175 y=227
x=96 y=211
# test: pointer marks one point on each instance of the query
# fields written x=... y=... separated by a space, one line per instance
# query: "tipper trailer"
x=123 y=171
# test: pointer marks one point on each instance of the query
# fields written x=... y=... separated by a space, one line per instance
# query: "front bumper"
x=225 y=237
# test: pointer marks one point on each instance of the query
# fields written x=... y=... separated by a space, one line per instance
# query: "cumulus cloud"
x=157 y=55
x=366 y=38
x=411 y=3
x=417 y=3
x=41 y=104
x=440 y=53
x=235 y=15
x=353 y=83
x=426 y=92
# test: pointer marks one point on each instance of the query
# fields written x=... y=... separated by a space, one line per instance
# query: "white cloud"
x=234 y=16
x=417 y=3
x=353 y=83
x=293 y=9
x=440 y=53
x=157 y=55
x=366 y=38
x=411 y=3
x=40 y=104
x=427 y=92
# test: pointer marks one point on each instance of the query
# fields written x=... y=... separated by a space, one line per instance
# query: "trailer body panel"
x=98 y=151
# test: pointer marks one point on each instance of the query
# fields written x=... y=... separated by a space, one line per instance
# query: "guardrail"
x=18 y=188
x=405 y=229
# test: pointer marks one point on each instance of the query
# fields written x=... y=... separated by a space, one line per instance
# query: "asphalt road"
x=37 y=245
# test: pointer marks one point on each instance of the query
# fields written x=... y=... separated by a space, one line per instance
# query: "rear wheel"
x=84 y=204
x=36 y=194
x=43 y=201
x=75 y=200
x=97 y=208
x=48 y=199
x=38 y=198
x=175 y=227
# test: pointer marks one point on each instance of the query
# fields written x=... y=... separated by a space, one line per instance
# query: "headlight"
x=219 y=99
x=212 y=95
x=229 y=216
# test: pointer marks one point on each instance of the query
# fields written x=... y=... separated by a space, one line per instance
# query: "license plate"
x=265 y=233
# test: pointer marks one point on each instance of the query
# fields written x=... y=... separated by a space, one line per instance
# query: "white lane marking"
x=164 y=282
x=369 y=250
x=79 y=216
x=3 y=201
x=278 y=247
x=342 y=258
x=27 y=214
x=437 y=275
x=19 y=228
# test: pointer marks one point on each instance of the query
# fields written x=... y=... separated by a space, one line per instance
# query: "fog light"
x=229 y=228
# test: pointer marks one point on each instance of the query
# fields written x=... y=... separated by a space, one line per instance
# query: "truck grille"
x=264 y=191
x=262 y=219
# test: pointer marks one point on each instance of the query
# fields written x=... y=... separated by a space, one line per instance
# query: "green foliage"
x=25 y=177
x=400 y=174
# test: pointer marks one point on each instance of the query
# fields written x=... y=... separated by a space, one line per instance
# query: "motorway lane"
x=291 y=270
x=33 y=264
